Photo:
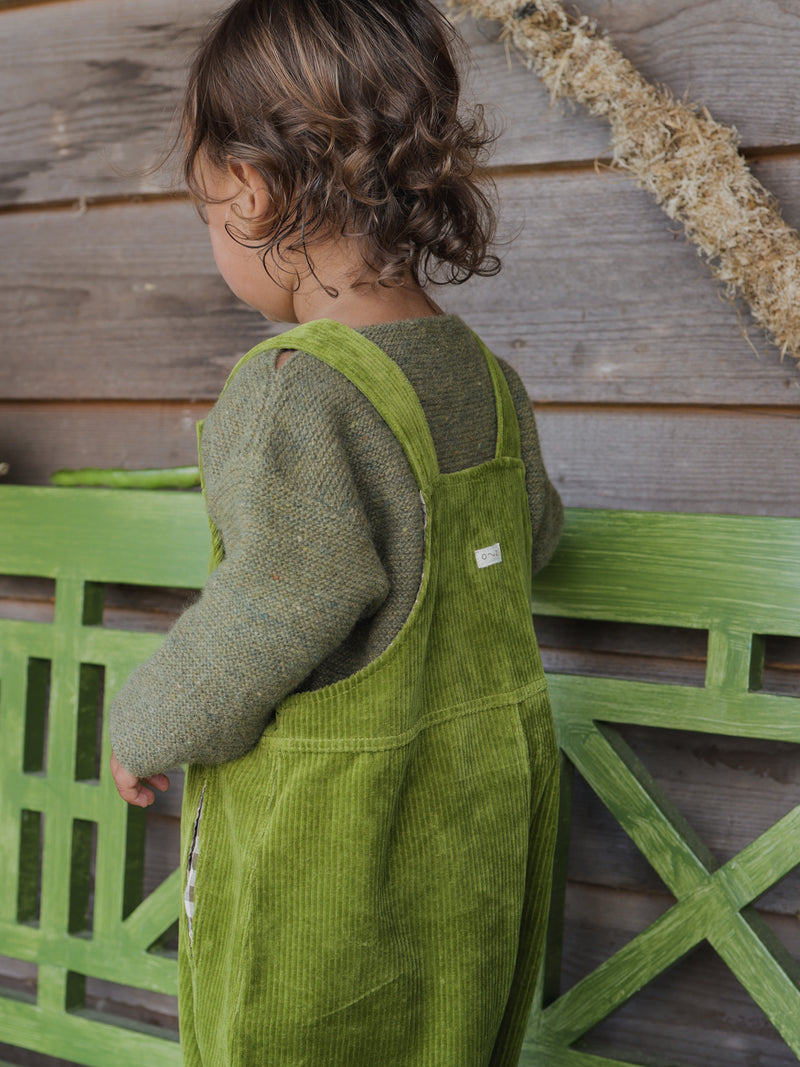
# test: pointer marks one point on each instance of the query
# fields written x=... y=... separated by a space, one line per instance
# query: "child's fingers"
x=132 y=789
x=158 y=781
x=135 y=793
x=141 y=797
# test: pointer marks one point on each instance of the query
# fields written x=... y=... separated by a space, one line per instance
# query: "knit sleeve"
x=300 y=569
x=547 y=511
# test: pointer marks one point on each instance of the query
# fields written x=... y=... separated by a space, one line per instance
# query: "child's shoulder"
x=270 y=405
x=276 y=377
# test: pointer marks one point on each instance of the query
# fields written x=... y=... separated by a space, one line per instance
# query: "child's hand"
x=134 y=790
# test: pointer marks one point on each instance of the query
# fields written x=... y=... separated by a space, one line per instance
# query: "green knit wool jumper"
x=370 y=882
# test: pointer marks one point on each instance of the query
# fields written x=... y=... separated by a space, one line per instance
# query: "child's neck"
x=363 y=303
x=369 y=306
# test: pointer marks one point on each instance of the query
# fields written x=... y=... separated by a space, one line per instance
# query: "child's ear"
x=252 y=198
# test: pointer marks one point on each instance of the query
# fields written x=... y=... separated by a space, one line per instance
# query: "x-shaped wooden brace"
x=713 y=902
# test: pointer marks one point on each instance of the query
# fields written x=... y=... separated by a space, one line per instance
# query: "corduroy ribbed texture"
x=373 y=880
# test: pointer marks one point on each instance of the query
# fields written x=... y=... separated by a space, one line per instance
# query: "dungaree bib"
x=369 y=884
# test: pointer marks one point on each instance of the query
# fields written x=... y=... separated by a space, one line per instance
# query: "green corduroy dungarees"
x=372 y=879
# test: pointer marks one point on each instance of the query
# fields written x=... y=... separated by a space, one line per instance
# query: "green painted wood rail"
x=737 y=578
x=51 y=798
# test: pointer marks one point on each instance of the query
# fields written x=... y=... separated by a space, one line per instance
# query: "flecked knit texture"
x=322 y=528
x=372 y=879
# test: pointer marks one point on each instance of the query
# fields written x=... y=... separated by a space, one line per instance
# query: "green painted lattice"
x=739 y=579
x=54 y=911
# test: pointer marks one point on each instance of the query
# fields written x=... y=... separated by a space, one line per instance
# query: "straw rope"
x=689 y=162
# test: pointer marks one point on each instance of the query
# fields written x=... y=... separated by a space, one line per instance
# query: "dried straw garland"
x=689 y=162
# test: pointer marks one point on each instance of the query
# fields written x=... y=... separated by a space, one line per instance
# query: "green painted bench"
x=739 y=580
x=71 y=901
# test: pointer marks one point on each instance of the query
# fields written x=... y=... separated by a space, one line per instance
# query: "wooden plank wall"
x=651 y=391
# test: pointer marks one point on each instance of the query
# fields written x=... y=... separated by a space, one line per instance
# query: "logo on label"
x=485 y=557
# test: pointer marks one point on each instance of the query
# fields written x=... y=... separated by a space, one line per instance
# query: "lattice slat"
x=740 y=580
x=63 y=830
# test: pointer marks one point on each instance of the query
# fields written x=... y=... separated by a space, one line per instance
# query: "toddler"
x=370 y=802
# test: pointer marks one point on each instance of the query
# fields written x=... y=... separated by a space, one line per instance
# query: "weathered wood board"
x=697 y=1014
x=737 y=58
x=743 y=462
x=599 y=301
x=108 y=77
x=119 y=302
x=39 y=438
x=602 y=299
x=729 y=791
x=705 y=460
x=106 y=85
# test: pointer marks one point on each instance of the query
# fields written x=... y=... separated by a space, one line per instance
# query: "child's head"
x=348 y=110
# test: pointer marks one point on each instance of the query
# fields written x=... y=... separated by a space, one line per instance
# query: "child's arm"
x=300 y=569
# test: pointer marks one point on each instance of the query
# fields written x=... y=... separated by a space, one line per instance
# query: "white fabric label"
x=485 y=557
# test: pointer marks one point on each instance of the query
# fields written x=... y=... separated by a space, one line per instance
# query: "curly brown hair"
x=349 y=111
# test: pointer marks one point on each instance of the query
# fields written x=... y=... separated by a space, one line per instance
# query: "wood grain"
x=710 y=460
x=88 y=90
x=37 y=439
x=97 y=84
x=729 y=791
x=117 y=302
x=733 y=56
x=697 y=1014
x=599 y=301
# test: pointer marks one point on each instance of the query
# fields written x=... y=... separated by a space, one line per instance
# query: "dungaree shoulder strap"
x=377 y=376
x=389 y=391
x=508 y=439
